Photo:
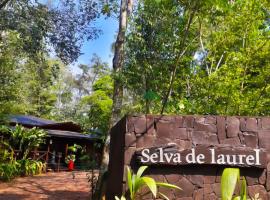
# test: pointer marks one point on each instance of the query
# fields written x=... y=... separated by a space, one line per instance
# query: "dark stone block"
x=207 y=189
x=251 y=124
x=139 y=124
x=173 y=178
x=209 y=179
x=252 y=190
x=210 y=120
x=243 y=124
x=184 y=144
x=211 y=196
x=128 y=154
x=139 y=141
x=205 y=127
x=201 y=137
x=180 y=133
x=264 y=138
x=233 y=126
x=184 y=198
x=148 y=140
x=179 y=121
x=164 y=129
x=250 y=139
x=162 y=141
x=216 y=188
x=188 y=122
x=130 y=140
x=252 y=180
x=198 y=194
x=186 y=186
x=200 y=120
x=221 y=128
x=231 y=141
x=265 y=123
x=150 y=125
x=262 y=177
x=196 y=180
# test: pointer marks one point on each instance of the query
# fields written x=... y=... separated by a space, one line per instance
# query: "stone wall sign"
x=212 y=155
x=191 y=152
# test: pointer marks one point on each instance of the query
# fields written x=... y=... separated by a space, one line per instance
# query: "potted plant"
x=70 y=159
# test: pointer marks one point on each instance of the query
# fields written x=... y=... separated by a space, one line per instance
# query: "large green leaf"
x=229 y=179
x=129 y=180
x=141 y=170
x=151 y=185
x=167 y=185
x=243 y=190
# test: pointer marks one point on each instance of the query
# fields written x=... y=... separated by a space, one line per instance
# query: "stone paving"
x=53 y=186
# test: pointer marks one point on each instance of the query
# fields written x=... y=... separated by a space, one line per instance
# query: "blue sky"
x=101 y=46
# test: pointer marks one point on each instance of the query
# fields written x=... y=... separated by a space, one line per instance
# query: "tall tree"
x=118 y=61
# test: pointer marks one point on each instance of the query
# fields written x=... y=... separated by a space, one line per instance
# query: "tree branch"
x=3 y=4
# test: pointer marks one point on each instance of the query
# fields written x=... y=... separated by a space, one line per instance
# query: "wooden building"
x=61 y=135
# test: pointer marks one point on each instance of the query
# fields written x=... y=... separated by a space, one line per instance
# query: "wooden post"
x=66 y=151
x=58 y=164
x=47 y=156
x=35 y=152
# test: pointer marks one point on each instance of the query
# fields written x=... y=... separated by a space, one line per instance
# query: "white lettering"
x=213 y=160
x=145 y=153
x=200 y=158
x=190 y=158
x=257 y=156
x=249 y=159
x=168 y=157
x=177 y=158
x=221 y=159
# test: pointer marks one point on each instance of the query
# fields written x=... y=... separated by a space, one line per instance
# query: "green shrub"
x=9 y=171
x=31 y=167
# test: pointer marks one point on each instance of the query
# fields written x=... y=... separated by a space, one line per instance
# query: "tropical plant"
x=9 y=170
x=69 y=158
x=230 y=178
x=30 y=167
x=136 y=182
x=73 y=149
x=26 y=167
x=21 y=139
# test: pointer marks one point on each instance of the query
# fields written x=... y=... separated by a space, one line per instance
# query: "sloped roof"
x=70 y=134
x=53 y=128
x=31 y=121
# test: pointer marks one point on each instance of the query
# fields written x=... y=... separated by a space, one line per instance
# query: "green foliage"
x=73 y=150
x=209 y=57
x=99 y=104
x=9 y=171
x=136 y=182
x=26 y=167
x=21 y=139
x=29 y=167
x=230 y=178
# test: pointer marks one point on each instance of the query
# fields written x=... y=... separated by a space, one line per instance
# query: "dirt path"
x=53 y=186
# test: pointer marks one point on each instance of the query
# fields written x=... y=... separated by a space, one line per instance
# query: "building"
x=61 y=135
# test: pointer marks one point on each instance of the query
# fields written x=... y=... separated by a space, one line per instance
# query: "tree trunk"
x=118 y=60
